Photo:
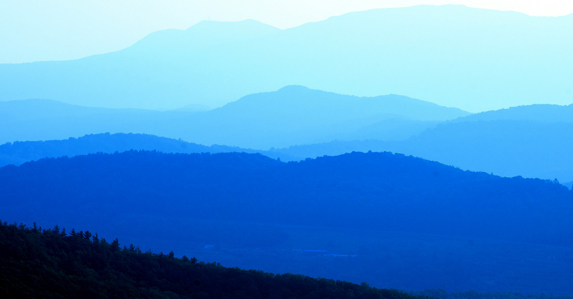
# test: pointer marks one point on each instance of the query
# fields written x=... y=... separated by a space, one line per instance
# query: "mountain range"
x=530 y=141
x=510 y=59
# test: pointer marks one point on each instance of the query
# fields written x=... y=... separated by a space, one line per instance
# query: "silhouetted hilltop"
x=50 y=263
x=421 y=51
x=366 y=191
x=289 y=116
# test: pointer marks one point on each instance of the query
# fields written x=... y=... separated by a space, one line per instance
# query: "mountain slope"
x=424 y=51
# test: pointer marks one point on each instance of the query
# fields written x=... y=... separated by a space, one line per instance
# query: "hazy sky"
x=32 y=30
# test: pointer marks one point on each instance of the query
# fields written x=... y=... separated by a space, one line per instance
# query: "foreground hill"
x=427 y=54
x=390 y=220
x=289 y=116
x=40 y=263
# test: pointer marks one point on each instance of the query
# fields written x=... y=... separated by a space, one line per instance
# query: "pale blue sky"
x=33 y=30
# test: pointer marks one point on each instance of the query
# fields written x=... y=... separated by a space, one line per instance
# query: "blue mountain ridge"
x=456 y=56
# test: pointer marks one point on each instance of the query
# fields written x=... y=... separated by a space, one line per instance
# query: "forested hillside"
x=358 y=190
x=50 y=263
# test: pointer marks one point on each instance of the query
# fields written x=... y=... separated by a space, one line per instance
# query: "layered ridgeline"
x=421 y=51
x=531 y=141
x=290 y=116
x=50 y=263
x=377 y=215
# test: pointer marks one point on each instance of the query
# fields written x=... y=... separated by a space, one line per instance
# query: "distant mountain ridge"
x=289 y=116
x=423 y=51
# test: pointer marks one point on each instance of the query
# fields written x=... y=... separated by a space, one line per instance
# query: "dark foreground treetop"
x=49 y=263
